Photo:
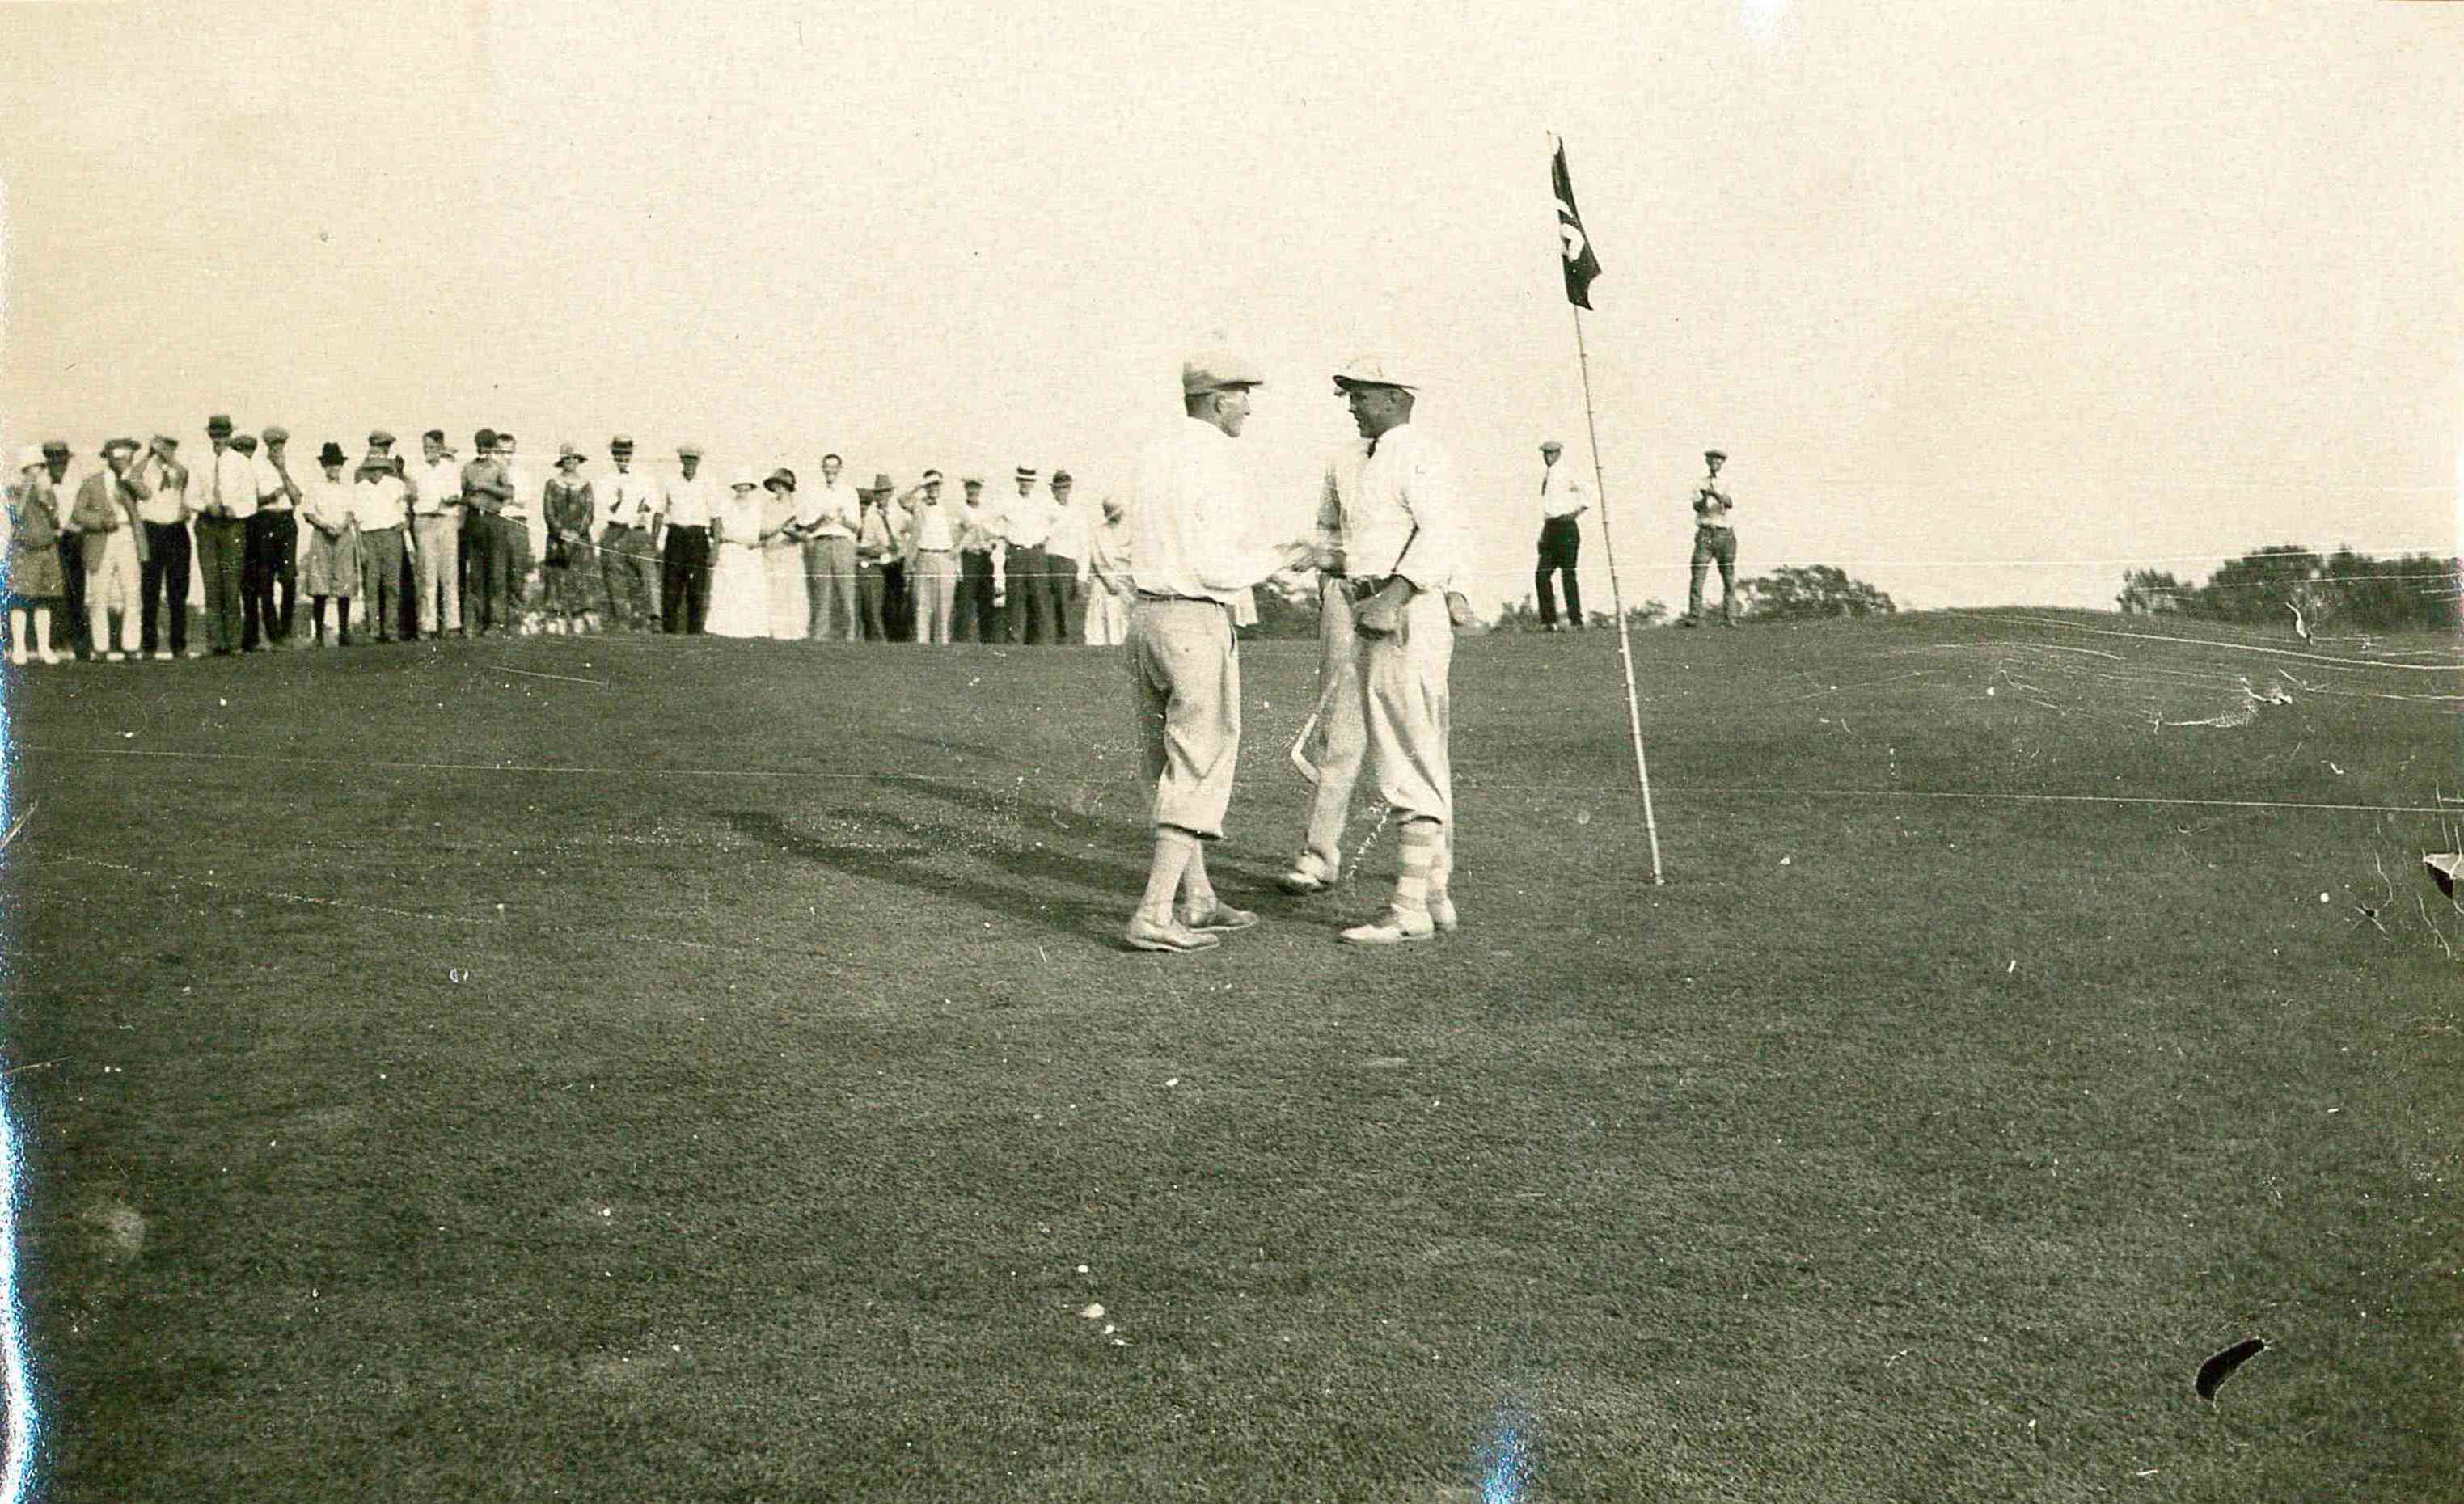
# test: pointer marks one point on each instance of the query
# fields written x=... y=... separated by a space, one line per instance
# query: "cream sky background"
x=1986 y=302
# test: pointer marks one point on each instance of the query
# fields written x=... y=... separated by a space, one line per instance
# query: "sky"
x=1987 y=303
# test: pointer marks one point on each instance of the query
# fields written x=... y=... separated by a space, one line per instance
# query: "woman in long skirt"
x=782 y=559
x=331 y=563
x=739 y=596
x=568 y=572
x=36 y=583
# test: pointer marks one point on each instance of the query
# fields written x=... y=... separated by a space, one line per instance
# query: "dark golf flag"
x=1581 y=266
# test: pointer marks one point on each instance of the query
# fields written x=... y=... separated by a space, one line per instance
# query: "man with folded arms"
x=827 y=520
x=1191 y=506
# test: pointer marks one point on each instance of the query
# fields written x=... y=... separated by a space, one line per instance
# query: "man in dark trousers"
x=1561 y=539
x=1715 y=541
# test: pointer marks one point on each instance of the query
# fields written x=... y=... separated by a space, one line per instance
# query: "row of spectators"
x=438 y=544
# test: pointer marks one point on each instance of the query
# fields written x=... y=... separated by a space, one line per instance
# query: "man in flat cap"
x=270 y=571
x=67 y=548
x=1714 y=541
x=684 y=567
x=381 y=505
x=163 y=577
x=931 y=554
x=630 y=504
x=436 y=536
x=488 y=604
x=112 y=545
x=1399 y=517
x=225 y=485
x=1561 y=539
x=1190 y=511
x=974 y=614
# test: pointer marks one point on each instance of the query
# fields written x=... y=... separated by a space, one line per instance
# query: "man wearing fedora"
x=1715 y=541
x=1191 y=507
x=1561 y=539
x=628 y=510
x=876 y=550
x=381 y=505
x=112 y=546
x=225 y=499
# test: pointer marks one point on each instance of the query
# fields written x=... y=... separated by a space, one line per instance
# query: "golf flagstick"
x=1580 y=263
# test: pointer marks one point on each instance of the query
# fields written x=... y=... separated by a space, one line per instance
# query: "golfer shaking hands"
x=1185 y=518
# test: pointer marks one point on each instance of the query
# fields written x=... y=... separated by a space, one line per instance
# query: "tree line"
x=2284 y=584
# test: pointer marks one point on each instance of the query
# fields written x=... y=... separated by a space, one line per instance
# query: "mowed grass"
x=709 y=1073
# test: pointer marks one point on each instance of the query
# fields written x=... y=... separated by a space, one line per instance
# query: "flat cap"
x=1216 y=370
x=485 y=438
x=932 y=474
x=1715 y=454
x=973 y=480
x=55 y=446
x=277 y=434
x=1552 y=444
x=219 y=422
x=113 y=446
x=1368 y=371
x=620 y=441
x=245 y=443
x=1061 y=478
x=168 y=440
x=379 y=438
x=688 y=452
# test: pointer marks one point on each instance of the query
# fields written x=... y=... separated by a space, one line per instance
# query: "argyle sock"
x=1175 y=848
x=1441 y=869
x=1423 y=841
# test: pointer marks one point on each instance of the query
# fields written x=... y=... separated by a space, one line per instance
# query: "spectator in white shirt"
x=827 y=519
x=164 y=581
x=436 y=535
x=381 y=505
x=629 y=513
x=329 y=558
x=272 y=585
x=1066 y=553
x=684 y=578
x=226 y=499
x=1561 y=539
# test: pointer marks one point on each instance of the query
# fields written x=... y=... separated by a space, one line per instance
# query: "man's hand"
x=1383 y=612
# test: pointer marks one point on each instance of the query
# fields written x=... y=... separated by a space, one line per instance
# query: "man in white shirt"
x=272 y=565
x=226 y=499
x=876 y=553
x=931 y=550
x=629 y=513
x=380 y=504
x=164 y=582
x=1064 y=553
x=684 y=567
x=1034 y=615
x=1714 y=541
x=436 y=535
x=828 y=517
x=1403 y=545
x=1189 y=513
x=523 y=524
x=1561 y=539
x=1109 y=589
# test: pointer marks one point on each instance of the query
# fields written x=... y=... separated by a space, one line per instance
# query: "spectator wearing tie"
x=684 y=578
x=629 y=566
x=111 y=541
x=270 y=583
x=876 y=550
x=1561 y=539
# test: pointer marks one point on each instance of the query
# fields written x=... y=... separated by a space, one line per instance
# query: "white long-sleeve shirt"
x=226 y=479
x=1561 y=491
x=829 y=511
x=626 y=497
x=1407 y=482
x=1187 y=516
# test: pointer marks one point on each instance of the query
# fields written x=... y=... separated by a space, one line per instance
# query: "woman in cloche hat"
x=331 y=563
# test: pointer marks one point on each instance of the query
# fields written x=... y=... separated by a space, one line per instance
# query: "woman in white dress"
x=782 y=558
x=739 y=597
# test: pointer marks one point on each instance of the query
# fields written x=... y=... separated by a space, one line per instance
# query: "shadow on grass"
x=1132 y=840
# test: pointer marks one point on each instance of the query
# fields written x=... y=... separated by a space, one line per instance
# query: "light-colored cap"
x=277 y=434
x=688 y=452
x=1552 y=444
x=1368 y=371
x=744 y=482
x=1216 y=370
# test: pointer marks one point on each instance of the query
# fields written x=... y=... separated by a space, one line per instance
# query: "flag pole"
x=1616 y=598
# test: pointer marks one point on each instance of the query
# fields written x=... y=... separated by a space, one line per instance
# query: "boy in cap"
x=1191 y=505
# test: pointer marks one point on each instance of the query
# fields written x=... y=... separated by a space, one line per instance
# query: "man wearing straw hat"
x=113 y=548
x=1189 y=507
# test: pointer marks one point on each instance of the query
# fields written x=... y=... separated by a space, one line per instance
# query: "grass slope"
x=702 y=1075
